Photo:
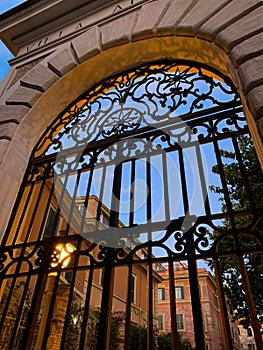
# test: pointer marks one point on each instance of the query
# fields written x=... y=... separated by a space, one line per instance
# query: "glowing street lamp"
x=62 y=255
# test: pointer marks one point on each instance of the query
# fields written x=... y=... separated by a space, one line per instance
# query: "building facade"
x=212 y=317
x=246 y=338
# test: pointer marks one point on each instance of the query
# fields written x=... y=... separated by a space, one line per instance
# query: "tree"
x=10 y=317
x=239 y=201
x=75 y=324
x=165 y=342
x=138 y=337
x=138 y=340
x=74 y=327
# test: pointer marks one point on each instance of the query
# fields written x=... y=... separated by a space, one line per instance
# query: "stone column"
x=58 y=320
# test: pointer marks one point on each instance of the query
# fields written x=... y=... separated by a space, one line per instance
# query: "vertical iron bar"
x=33 y=215
x=149 y=197
x=103 y=342
x=16 y=207
x=70 y=298
x=88 y=192
x=128 y=310
x=60 y=202
x=243 y=173
x=195 y=296
x=115 y=199
x=250 y=302
x=183 y=180
x=223 y=181
x=19 y=313
x=132 y=194
x=192 y=267
x=175 y=336
x=150 y=335
x=34 y=311
x=202 y=180
x=26 y=205
x=4 y=313
x=82 y=341
x=165 y=185
x=223 y=307
x=73 y=200
x=46 y=211
x=103 y=176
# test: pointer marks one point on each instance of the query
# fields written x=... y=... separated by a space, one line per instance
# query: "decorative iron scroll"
x=145 y=96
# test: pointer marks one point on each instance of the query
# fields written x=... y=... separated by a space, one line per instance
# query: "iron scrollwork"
x=145 y=96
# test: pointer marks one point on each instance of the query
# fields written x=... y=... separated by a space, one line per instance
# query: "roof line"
x=18 y=8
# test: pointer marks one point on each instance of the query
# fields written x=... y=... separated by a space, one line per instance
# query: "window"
x=69 y=276
x=133 y=289
x=200 y=292
x=161 y=293
x=160 y=323
x=51 y=225
x=249 y=332
x=104 y=219
x=219 y=327
x=179 y=292
x=81 y=208
x=102 y=277
x=215 y=300
x=251 y=346
x=180 y=321
x=205 y=322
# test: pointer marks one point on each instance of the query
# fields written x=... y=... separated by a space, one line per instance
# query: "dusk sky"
x=5 y=54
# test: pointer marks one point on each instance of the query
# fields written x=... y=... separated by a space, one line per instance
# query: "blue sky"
x=5 y=54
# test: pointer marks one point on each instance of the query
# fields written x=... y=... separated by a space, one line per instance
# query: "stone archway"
x=225 y=36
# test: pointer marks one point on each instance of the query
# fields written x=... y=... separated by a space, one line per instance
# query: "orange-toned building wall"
x=139 y=304
x=209 y=302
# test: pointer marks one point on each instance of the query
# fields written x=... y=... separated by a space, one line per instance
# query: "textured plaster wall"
x=224 y=34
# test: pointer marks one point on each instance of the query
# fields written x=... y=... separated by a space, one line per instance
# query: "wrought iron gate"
x=130 y=187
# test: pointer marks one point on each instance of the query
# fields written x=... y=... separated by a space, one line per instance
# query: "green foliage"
x=138 y=340
x=115 y=334
x=138 y=337
x=93 y=328
x=165 y=342
x=11 y=313
x=74 y=329
x=235 y=183
x=240 y=201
